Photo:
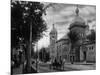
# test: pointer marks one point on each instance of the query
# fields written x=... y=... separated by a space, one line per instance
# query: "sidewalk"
x=81 y=66
x=18 y=70
x=43 y=68
x=80 y=63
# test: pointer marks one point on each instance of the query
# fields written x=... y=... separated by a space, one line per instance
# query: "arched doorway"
x=84 y=53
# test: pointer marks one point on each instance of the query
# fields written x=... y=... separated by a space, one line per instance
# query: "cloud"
x=92 y=25
x=62 y=23
x=44 y=42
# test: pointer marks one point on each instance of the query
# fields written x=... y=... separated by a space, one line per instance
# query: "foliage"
x=92 y=37
x=44 y=55
x=23 y=14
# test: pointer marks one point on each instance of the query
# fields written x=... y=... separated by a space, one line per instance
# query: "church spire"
x=77 y=10
x=53 y=29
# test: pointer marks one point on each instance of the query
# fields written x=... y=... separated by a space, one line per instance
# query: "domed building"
x=78 y=26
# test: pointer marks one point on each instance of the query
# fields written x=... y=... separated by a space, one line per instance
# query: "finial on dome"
x=77 y=11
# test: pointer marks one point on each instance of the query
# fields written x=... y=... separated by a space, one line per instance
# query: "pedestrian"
x=63 y=63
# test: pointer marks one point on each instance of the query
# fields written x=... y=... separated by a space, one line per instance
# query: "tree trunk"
x=29 y=51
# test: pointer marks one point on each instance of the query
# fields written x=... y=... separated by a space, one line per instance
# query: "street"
x=44 y=67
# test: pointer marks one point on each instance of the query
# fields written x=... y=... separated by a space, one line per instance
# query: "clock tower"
x=53 y=39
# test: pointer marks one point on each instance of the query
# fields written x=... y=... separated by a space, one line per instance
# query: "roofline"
x=61 y=40
x=84 y=26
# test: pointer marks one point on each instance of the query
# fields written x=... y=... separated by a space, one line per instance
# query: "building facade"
x=88 y=52
x=82 y=50
x=63 y=48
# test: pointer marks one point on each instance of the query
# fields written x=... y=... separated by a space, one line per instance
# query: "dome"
x=78 y=20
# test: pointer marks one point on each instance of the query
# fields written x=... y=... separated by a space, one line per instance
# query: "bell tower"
x=53 y=35
x=53 y=39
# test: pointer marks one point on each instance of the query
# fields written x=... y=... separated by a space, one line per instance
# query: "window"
x=81 y=34
x=53 y=36
x=92 y=47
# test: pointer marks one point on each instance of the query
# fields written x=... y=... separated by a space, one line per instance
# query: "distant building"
x=63 y=48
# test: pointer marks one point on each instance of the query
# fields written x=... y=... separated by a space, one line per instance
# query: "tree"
x=22 y=14
x=92 y=37
x=26 y=15
x=44 y=55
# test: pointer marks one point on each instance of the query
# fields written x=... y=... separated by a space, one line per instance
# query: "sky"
x=62 y=15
